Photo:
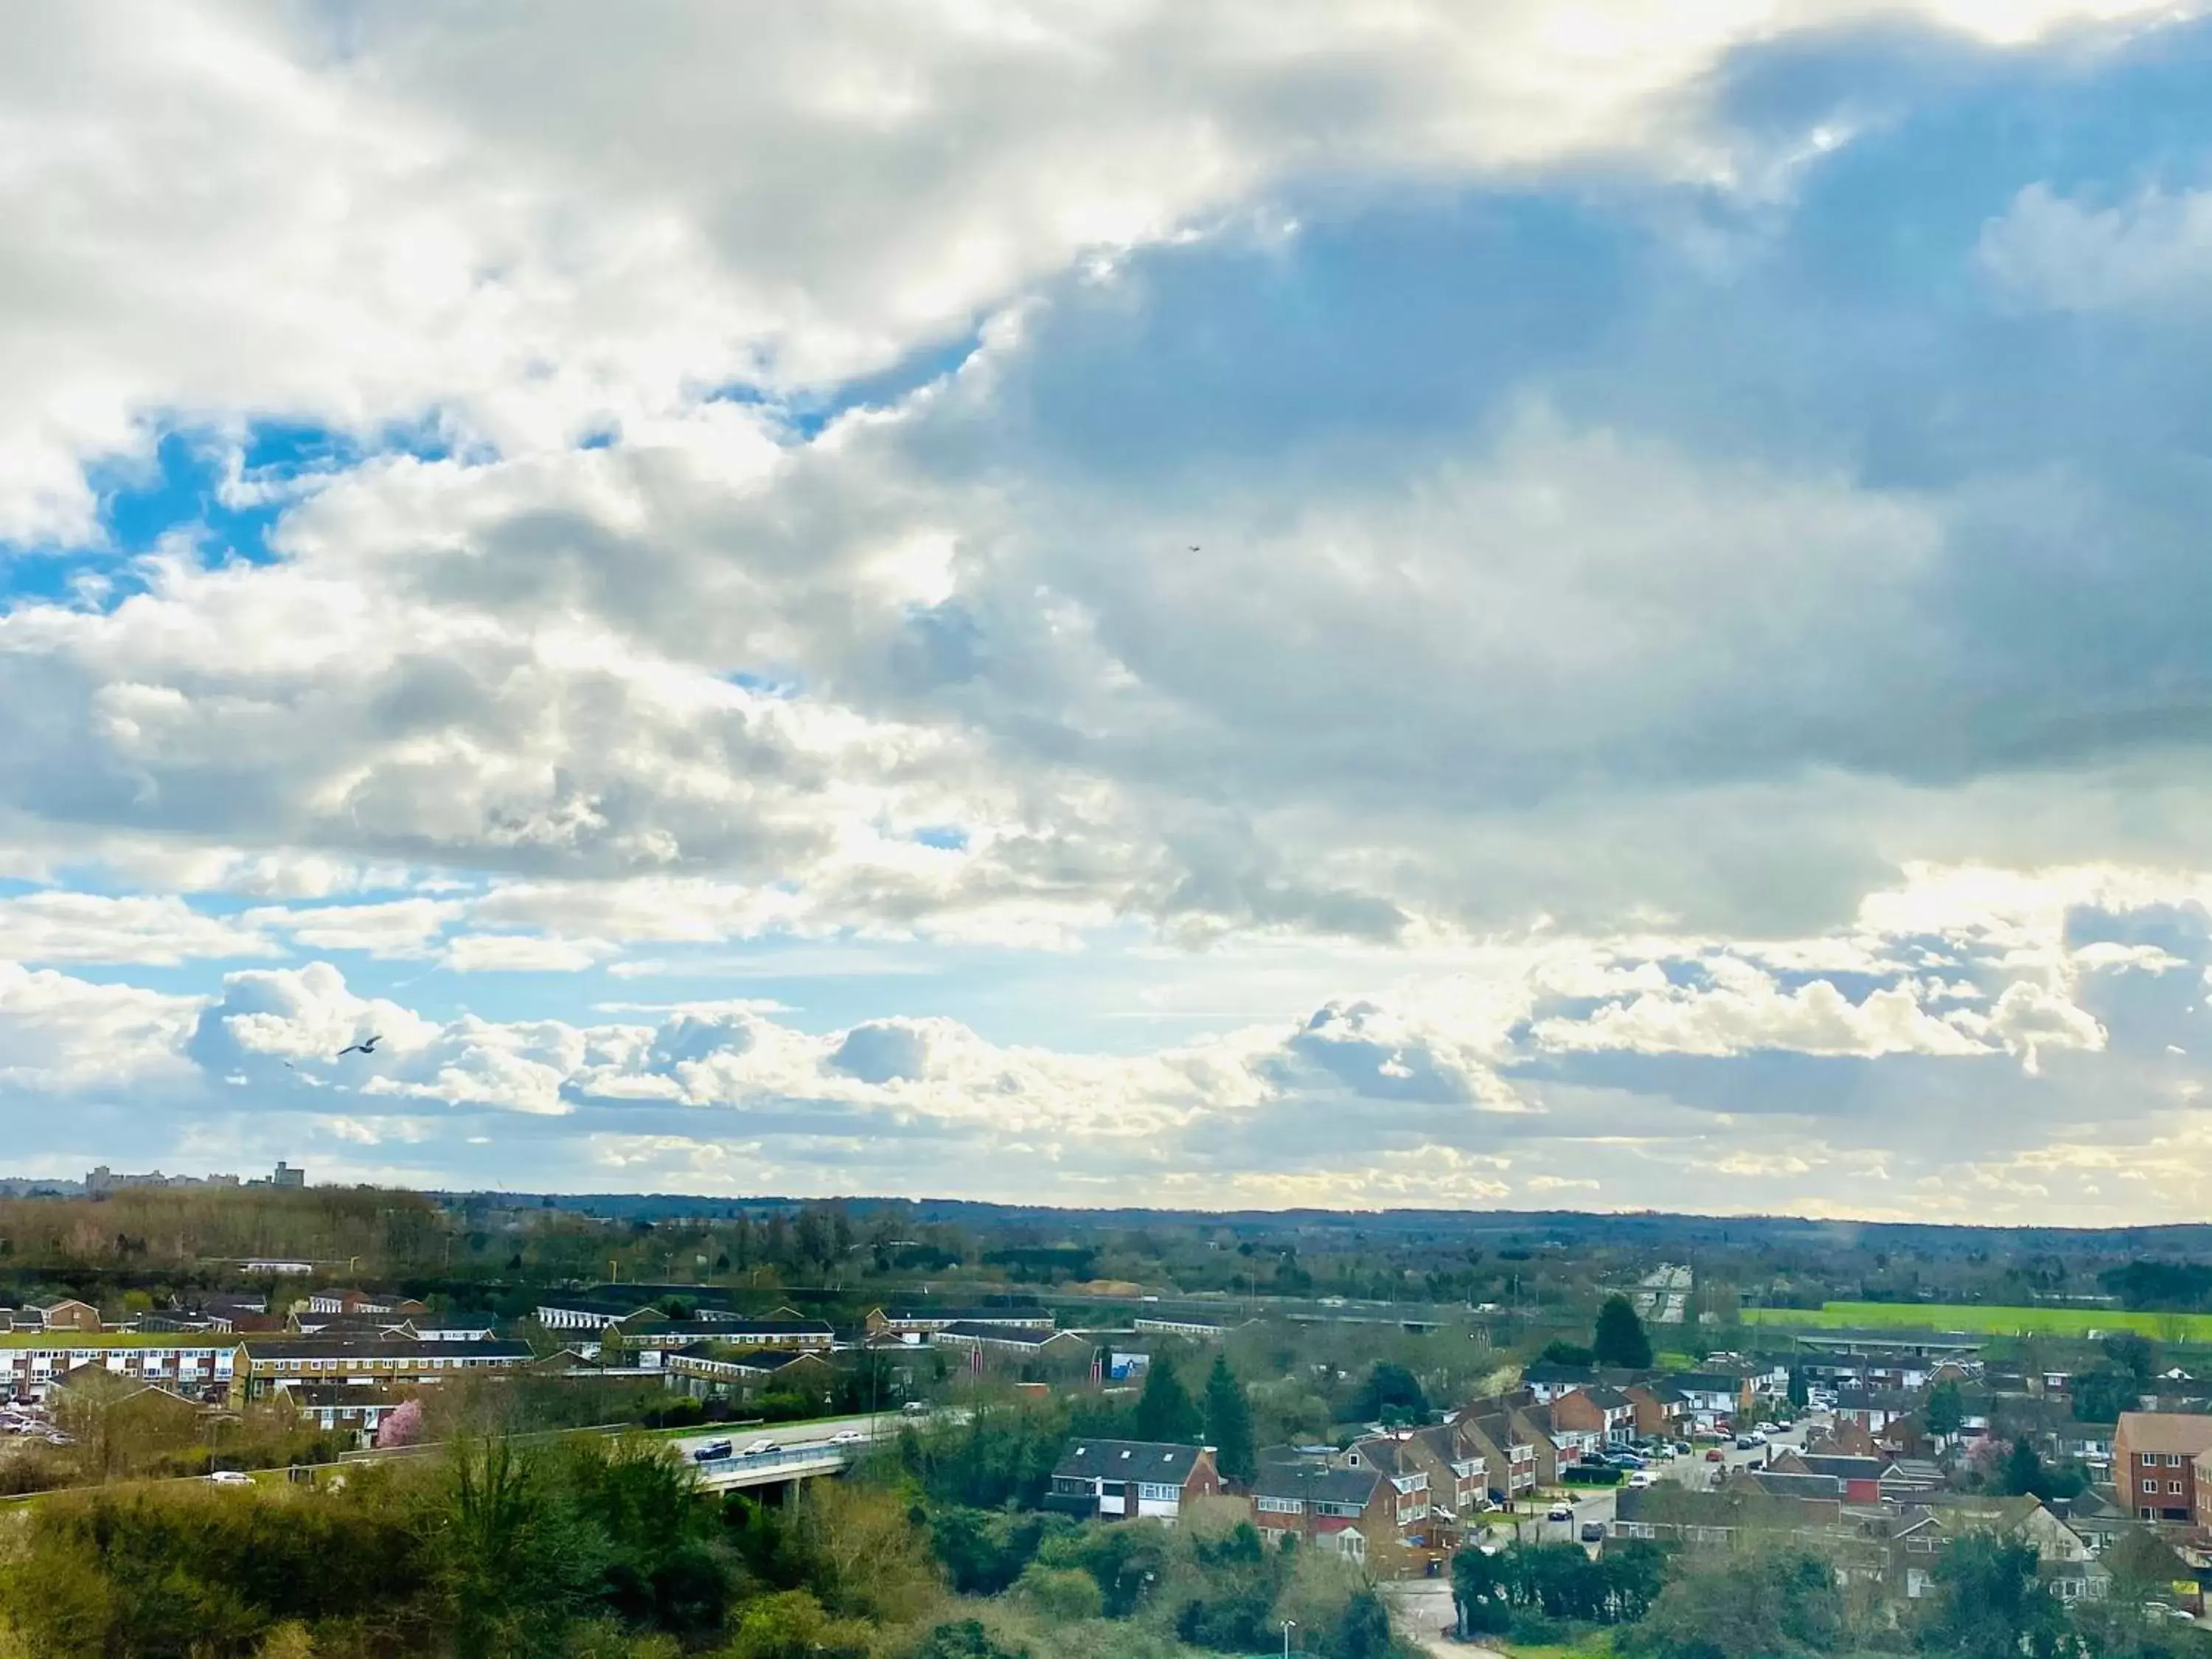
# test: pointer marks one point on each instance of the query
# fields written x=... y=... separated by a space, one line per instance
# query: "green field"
x=1993 y=1321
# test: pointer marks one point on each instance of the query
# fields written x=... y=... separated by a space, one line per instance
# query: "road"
x=1696 y=1471
x=1422 y=1609
x=792 y=1436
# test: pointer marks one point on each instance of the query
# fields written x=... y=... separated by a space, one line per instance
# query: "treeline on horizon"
x=493 y=1252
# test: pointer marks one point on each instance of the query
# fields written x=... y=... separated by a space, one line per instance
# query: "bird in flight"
x=365 y=1046
x=1194 y=549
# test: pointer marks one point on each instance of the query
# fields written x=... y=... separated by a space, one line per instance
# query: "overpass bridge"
x=771 y=1469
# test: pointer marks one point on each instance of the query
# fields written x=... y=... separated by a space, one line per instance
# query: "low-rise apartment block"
x=2155 y=1464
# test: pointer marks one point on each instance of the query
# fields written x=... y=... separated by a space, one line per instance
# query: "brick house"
x=64 y=1314
x=1459 y=1477
x=1112 y=1480
x=1663 y=1411
x=1353 y=1512
x=1410 y=1499
x=1598 y=1411
x=1509 y=1433
x=2155 y=1464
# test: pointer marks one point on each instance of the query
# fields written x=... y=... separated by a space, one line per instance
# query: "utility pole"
x=1289 y=1625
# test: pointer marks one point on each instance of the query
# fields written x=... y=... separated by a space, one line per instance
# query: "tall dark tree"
x=1620 y=1339
x=1165 y=1410
x=1229 y=1422
x=2134 y=1353
x=1947 y=1409
x=1990 y=1604
x=2100 y=1395
x=1391 y=1393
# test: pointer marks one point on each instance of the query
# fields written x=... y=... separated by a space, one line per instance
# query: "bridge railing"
x=781 y=1458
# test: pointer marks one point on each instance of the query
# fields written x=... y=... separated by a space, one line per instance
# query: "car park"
x=713 y=1451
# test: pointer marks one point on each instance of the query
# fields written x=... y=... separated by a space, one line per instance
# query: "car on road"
x=1592 y=1532
x=231 y=1478
x=1560 y=1512
x=756 y=1448
x=1714 y=1456
x=1640 y=1479
x=1745 y=1443
x=713 y=1452
x=848 y=1438
x=916 y=1409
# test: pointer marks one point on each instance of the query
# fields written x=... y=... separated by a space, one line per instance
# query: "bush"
x=1583 y=1475
x=1061 y=1595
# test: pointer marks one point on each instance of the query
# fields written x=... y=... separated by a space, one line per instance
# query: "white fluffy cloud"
x=153 y=931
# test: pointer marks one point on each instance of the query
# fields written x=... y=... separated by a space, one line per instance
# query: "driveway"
x=1423 y=1612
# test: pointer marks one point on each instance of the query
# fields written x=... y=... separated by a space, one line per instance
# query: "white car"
x=1559 y=1512
x=848 y=1438
x=757 y=1447
x=231 y=1478
x=1639 y=1480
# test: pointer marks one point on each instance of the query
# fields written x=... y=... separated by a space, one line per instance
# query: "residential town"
x=1408 y=1442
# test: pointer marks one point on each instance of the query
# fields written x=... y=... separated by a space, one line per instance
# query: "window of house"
x=2174 y=1485
x=2151 y=1485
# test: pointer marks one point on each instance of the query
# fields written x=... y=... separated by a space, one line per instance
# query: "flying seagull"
x=365 y=1046
x=1194 y=549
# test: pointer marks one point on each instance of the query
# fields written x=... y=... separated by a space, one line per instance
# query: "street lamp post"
x=1289 y=1625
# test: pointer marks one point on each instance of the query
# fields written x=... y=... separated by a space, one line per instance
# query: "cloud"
x=1756 y=1013
x=2052 y=252
x=147 y=930
x=60 y=1034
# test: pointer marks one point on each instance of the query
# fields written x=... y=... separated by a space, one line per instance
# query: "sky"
x=1591 y=606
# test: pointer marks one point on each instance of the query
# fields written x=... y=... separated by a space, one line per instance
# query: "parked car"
x=756 y=1448
x=1745 y=1443
x=916 y=1409
x=1592 y=1532
x=1640 y=1479
x=713 y=1452
x=1627 y=1459
x=1559 y=1512
x=231 y=1478
x=1714 y=1455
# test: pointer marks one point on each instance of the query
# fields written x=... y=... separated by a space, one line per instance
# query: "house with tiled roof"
x=1351 y=1511
x=1121 y=1479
